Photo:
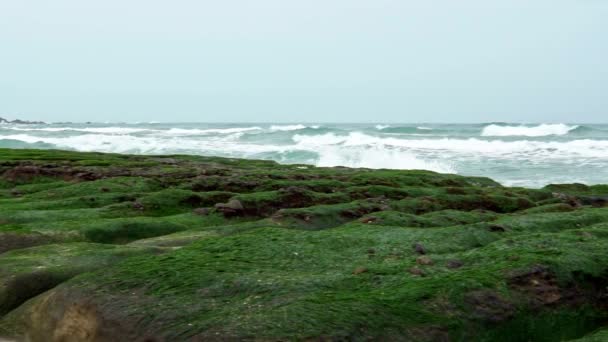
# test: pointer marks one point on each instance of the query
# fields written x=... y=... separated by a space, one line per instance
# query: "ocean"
x=531 y=155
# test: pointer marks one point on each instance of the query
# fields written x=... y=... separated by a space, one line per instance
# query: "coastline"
x=179 y=247
x=513 y=154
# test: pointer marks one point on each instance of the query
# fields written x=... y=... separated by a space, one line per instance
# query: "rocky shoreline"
x=20 y=122
x=107 y=247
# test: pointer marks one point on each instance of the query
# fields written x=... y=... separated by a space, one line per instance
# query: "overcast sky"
x=305 y=61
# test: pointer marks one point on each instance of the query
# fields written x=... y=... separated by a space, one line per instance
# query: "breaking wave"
x=105 y=130
x=287 y=127
x=530 y=155
x=497 y=130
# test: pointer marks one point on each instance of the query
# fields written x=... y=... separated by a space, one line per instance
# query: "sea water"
x=531 y=155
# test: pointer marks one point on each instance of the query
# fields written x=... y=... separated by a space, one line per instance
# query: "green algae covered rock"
x=104 y=247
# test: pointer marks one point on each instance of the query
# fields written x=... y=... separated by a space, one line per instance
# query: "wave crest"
x=496 y=130
x=191 y=131
x=287 y=127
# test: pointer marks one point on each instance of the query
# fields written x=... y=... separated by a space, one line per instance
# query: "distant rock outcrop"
x=21 y=122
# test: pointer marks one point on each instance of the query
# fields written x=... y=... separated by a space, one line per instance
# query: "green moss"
x=599 y=336
x=25 y=273
x=314 y=253
x=272 y=275
x=123 y=230
x=173 y=201
x=549 y=208
x=433 y=219
x=578 y=189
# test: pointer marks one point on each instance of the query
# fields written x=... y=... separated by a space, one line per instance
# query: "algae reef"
x=107 y=247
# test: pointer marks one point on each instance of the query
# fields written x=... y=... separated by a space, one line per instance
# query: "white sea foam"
x=106 y=130
x=377 y=157
x=112 y=130
x=287 y=127
x=193 y=131
x=527 y=160
x=527 y=131
x=424 y=128
x=472 y=146
x=381 y=127
x=221 y=145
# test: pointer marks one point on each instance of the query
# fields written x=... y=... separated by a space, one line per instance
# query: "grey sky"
x=303 y=61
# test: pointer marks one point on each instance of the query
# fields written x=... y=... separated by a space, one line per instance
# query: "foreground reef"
x=105 y=247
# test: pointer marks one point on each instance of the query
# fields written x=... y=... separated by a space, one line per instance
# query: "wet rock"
x=595 y=201
x=295 y=197
x=496 y=228
x=419 y=248
x=489 y=306
x=568 y=199
x=416 y=271
x=424 y=260
x=454 y=264
x=369 y=219
x=202 y=211
x=193 y=201
x=26 y=173
x=230 y=209
x=138 y=206
x=538 y=285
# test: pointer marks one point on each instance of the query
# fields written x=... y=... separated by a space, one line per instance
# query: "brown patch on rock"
x=368 y=220
x=537 y=285
x=366 y=207
x=202 y=211
x=230 y=209
x=10 y=241
x=416 y=271
x=168 y=161
x=489 y=306
x=69 y=315
x=138 y=206
x=424 y=260
x=594 y=201
x=26 y=173
x=79 y=323
x=360 y=270
x=295 y=197
x=568 y=199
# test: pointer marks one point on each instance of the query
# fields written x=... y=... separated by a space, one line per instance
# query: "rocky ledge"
x=104 y=247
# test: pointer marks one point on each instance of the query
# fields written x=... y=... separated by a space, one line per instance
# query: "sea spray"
x=518 y=154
